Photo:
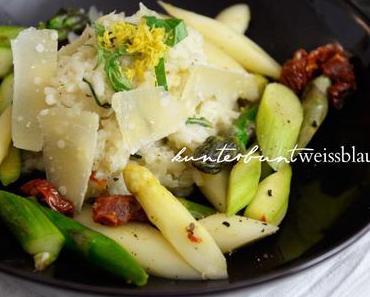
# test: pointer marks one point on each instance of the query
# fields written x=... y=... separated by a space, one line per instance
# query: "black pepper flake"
x=314 y=124
x=240 y=220
x=265 y=224
x=288 y=121
x=269 y=192
x=136 y=156
x=135 y=235
x=191 y=227
x=227 y=224
x=116 y=179
x=263 y=230
x=190 y=233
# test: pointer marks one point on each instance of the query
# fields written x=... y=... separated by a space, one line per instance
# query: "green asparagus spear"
x=6 y=61
x=198 y=211
x=261 y=82
x=98 y=249
x=243 y=184
x=67 y=21
x=7 y=33
x=34 y=231
x=278 y=123
x=271 y=201
x=315 y=109
x=6 y=92
x=10 y=168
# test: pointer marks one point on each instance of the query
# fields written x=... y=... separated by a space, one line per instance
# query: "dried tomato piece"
x=337 y=92
x=296 y=73
x=47 y=194
x=339 y=69
x=117 y=210
x=330 y=60
x=322 y=54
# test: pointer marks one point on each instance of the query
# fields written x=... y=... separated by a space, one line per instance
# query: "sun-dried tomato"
x=117 y=210
x=330 y=60
x=296 y=73
x=337 y=92
x=48 y=194
x=339 y=69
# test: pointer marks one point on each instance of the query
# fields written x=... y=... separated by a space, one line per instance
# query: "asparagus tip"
x=42 y=260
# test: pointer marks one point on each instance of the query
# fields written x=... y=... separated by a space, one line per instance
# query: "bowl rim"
x=282 y=272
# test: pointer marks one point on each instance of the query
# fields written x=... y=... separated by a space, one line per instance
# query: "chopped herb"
x=244 y=126
x=175 y=28
x=175 y=31
x=99 y=29
x=113 y=70
x=97 y=101
x=201 y=121
x=178 y=32
x=100 y=57
x=112 y=66
x=227 y=224
x=263 y=230
x=160 y=74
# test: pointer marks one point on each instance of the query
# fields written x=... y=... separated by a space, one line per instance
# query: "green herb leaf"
x=100 y=57
x=97 y=101
x=113 y=70
x=112 y=65
x=175 y=28
x=201 y=121
x=178 y=32
x=99 y=29
x=244 y=126
x=160 y=74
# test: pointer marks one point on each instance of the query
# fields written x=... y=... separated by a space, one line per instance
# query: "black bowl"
x=329 y=206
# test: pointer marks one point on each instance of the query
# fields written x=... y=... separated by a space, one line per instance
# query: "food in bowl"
x=127 y=115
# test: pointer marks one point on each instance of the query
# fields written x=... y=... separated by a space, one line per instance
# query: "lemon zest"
x=146 y=45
